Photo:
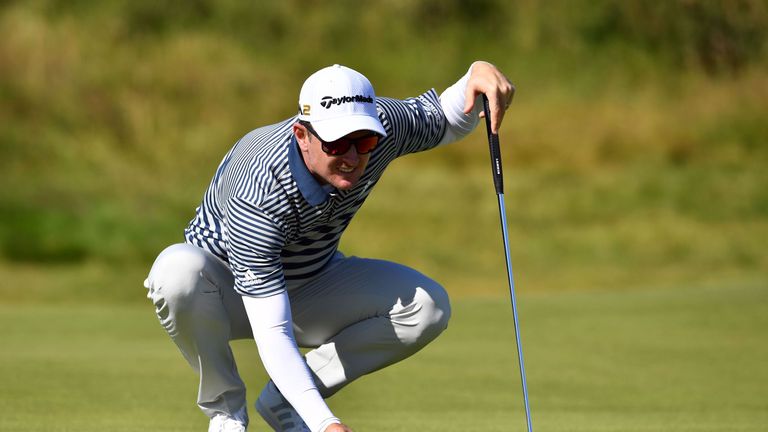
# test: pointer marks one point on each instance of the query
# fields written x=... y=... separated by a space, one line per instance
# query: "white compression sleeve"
x=452 y=100
x=271 y=321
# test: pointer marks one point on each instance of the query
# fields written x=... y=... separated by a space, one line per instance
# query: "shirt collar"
x=310 y=189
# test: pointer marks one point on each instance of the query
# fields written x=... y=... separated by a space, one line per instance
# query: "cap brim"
x=333 y=129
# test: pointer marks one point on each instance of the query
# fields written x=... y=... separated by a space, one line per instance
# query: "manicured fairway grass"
x=677 y=359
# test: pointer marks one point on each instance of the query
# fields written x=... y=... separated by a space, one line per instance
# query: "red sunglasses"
x=363 y=145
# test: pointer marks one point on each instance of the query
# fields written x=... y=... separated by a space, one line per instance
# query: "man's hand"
x=487 y=79
x=337 y=427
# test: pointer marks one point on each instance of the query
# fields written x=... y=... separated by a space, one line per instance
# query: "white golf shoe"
x=277 y=412
x=237 y=422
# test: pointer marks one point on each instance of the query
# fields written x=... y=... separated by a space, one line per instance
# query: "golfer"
x=261 y=256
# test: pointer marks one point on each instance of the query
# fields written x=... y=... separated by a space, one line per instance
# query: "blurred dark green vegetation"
x=635 y=153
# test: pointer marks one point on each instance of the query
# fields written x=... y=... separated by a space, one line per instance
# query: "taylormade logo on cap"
x=327 y=101
x=337 y=101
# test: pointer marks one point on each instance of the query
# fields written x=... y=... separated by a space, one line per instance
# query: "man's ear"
x=301 y=137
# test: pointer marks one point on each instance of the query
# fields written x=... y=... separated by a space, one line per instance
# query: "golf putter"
x=498 y=182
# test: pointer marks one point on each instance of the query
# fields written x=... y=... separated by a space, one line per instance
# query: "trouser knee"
x=177 y=278
x=426 y=317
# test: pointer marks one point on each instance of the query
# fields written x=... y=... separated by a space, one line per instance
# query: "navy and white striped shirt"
x=269 y=218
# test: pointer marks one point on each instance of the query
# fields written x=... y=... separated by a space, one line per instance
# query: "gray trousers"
x=359 y=315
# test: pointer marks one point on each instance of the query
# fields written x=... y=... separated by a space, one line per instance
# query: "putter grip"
x=493 y=144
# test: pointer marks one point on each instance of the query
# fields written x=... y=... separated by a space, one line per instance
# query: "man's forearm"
x=270 y=319
x=453 y=100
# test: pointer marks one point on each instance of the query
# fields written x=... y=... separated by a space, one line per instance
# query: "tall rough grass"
x=636 y=148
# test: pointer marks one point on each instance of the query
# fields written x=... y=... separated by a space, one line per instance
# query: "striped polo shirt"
x=273 y=222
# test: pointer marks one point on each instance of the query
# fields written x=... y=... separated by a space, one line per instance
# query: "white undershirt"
x=452 y=101
x=270 y=317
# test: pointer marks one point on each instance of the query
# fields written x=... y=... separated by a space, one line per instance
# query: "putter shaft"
x=503 y=214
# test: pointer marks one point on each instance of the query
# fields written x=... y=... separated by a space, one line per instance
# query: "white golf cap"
x=337 y=101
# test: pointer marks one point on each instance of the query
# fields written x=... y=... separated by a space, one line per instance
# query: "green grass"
x=637 y=194
x=684 y=359
x=109 y=142
x=628 y=163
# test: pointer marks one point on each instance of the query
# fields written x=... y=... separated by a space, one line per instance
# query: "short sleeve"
x=255 y=241
x=414 y=124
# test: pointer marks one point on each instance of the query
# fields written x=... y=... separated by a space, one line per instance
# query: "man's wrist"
x=452 y=101
x=327 y=422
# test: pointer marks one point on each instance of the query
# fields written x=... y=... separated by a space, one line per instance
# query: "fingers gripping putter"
x=498 y=181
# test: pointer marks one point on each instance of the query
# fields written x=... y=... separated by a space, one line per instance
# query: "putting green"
x=682 y=359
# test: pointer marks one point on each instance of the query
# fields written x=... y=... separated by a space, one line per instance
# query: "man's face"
x=342 y=171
